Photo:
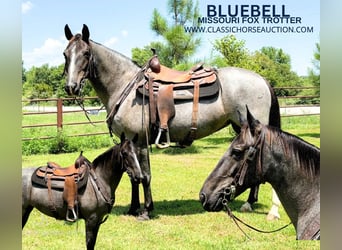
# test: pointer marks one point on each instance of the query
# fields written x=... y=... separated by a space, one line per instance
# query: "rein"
x=236 y=220
x=129 y=87
x=81 y=105
x=123 y=96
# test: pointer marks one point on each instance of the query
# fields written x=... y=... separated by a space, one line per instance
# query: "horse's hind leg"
x=253 y=197
x=273 y=214
x=25 y=215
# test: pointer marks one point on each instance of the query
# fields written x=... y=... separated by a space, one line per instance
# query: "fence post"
x=59 y=114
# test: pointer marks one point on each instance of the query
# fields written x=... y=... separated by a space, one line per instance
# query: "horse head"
x=237 y=170
x=78 y=60
x=129 y=160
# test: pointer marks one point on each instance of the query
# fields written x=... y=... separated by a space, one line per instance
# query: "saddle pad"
x=40 y=177
x=186 y=92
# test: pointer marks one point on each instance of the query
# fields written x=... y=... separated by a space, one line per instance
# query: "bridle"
x=249 y=156
x=90 y=72
x=229 y=192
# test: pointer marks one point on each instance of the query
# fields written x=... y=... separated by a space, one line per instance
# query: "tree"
x=36 y=84
x=314 y=74
x=272 y=63
x=23 y=73
x=233 y=51
x=177 y=45
x=275 y=65
x=48 y=82
x=276 y=55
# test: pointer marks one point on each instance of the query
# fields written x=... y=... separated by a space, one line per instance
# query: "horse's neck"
x=110 y=172
x=295 y=189
x=113 y=73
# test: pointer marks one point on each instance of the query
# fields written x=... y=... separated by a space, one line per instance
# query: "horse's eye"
x=86 y=54
x=236 y=154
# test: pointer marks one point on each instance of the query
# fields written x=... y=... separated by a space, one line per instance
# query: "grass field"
x=179 y=221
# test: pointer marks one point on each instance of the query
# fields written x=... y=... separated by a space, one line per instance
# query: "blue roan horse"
x=260 y=154
x=95 y=199
x=110 y=73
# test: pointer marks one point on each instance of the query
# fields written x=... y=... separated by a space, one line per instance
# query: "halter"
x=249 y=156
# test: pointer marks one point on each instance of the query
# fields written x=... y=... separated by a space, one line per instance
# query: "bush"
x=65 y=144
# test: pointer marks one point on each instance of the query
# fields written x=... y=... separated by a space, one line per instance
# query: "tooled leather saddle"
x=165 y=86
x=70 y=179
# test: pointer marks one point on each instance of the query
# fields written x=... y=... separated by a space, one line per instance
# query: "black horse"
x=95 y=199
x=260 y=154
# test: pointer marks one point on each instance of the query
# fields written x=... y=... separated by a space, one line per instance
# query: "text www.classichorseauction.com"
x=248 y=19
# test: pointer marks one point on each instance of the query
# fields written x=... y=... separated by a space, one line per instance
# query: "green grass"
x=179 y=221
x=64 y=140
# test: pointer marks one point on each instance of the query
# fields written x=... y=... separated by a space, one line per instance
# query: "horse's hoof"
x=143 y=217
x=246 y=207
x=272 y=217
x=132 y=212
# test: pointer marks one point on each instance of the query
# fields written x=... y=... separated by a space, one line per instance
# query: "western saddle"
x=69 y=179
x=164 y=86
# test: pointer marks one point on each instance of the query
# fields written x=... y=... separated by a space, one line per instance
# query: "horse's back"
x=241 y=87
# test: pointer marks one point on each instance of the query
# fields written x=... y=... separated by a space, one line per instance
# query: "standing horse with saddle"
x=163 y=105
x=84 y=190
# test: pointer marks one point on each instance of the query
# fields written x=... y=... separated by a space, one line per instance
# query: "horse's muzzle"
x=72 y=89
x=211 y=206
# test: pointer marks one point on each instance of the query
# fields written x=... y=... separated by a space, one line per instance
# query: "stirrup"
x=163 y=144
x=73 y=216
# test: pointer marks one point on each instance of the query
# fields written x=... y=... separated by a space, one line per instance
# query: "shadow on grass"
x=207 y=143
x=184 y=207
x=218 y=140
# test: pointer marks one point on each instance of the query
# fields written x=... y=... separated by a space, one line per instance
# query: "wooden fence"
x=59 y=110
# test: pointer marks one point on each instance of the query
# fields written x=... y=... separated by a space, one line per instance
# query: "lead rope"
x=80 y=103
x=236 y=220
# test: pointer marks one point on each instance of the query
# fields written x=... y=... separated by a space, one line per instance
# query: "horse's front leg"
x=146 y=169
x=253 y=197
x=135 y=201
x=92 y=228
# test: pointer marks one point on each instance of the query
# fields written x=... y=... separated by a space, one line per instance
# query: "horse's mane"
x=307 y=155
x=116 y=53
x=109 y=154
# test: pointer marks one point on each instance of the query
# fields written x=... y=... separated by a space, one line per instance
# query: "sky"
x=124 y=25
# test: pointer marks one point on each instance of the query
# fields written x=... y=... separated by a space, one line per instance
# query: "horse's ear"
x=252 y=122
x=85 y=33
x=135 y=138
x=67 y=32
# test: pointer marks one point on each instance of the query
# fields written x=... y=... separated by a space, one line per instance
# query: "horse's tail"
x=274 y=115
